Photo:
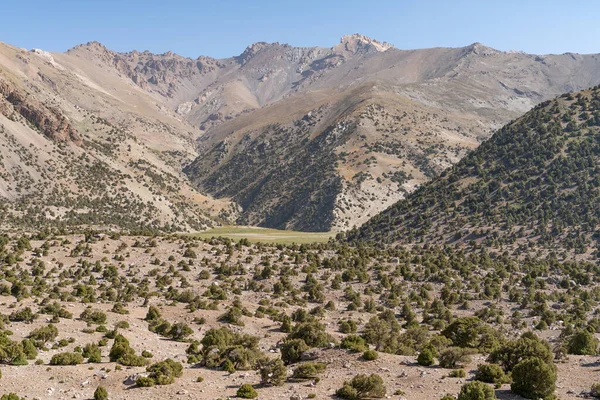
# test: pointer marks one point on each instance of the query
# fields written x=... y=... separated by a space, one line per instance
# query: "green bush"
x=454 y=356
x=527 y=346
x=246 y=391
x=490 y=373
x=291 y=350
x=232 y=316
x=308 y=370
x=144 y=381
x=11 y=352
x=348 y=326
x=272 y=372
x=222 y=345
x=464 y=332
x=370 y=355
x=595 y=391
x=313 y=333
x=583 y=343
x=534 y=378
x=43 y=334
x=29 y=349
x=11 y=396
x=425 y=357
x=66 y=359
x=179 y=331
x=23 y=315
x=476 y=391
x=152 y=314
x=93 y=316
x=92 y=352
x=165 y=372
x=100 y=393
x=457 y=373
x=354 y=343
x=122 y=353
x=362 y=387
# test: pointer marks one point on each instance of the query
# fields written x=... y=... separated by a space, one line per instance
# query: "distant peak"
x=356 y=41
x=480 y=49
x=93 y=45
x=254 y=49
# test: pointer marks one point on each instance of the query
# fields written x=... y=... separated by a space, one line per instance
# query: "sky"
x=224 y=28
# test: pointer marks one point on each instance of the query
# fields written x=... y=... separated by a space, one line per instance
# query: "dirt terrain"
x=70 y=261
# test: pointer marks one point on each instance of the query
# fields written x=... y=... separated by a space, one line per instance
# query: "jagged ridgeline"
x=536 y=181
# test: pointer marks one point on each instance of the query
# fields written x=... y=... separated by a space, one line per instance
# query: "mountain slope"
x=535 y=182
x=409 y=115
x=81 y=146
x=304 y=138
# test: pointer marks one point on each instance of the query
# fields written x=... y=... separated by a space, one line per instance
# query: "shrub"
x=527 y=346
x=370 y=355
x=425 y=357
x=132 y=360
x=362 y=387
x=291 y=350
x=222 y=345
x=100 y=393
x=144 y=381
x=348 y=326
x=92 y=352
x=122 y=325
x=286 y=324
x=308 y=370
x=119 y=348
x=354 y=343
x=453 y=357
x=464 y=332
x=313 y=333
x=246 y=391
x=476 y=391
x=43 y=334
x=29 y=349
x=272 y=372
x=165 y=372
x=11 y=396
x=457 y=373
x=534 y=378
x=583 y=343
x=23 y=315
x=490 y=373
x=232 y=316
x=122 y=353
x=93 y=316
x=179 y=331
x=66 y=359
x=152 y=314
x=595 y=390
x=147 y=354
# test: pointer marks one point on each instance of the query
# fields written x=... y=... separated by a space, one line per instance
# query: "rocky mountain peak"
x=253 y=50
x=355 y=42
x=90 y=46
x=480 y=49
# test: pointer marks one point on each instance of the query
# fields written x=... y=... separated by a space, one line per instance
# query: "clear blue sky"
x=223 y=28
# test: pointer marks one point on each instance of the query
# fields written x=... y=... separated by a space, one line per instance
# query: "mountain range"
x=312 y=139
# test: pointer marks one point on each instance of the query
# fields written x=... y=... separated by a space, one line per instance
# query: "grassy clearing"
x=265 y=235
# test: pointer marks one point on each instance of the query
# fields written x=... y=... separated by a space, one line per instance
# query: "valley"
x=347 y=222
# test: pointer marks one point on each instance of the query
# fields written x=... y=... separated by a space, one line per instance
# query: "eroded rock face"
x=48 y=120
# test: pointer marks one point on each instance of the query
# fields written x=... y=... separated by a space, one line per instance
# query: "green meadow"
x=266 y=235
